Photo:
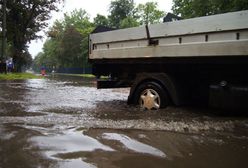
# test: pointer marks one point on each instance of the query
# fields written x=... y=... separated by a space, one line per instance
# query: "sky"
x=93 y=7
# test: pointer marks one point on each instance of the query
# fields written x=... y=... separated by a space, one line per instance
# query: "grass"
x=84 y=75
x=81 y=75
x=92 y=76
x=87 y=75
x=15 y=76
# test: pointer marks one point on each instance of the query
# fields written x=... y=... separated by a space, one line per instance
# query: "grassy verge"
x=87 y=75
x=90 y=76
x=81 y=75
x=14 y=76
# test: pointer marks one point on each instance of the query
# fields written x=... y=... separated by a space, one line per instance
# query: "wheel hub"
x=150 y=99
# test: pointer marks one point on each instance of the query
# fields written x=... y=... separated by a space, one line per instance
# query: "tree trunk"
x=17 y=53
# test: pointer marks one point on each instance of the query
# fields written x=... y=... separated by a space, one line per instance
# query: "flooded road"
x=64 y=121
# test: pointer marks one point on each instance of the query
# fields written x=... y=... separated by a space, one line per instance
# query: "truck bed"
x=210 y=36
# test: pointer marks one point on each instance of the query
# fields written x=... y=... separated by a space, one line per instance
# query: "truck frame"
x=201 y=61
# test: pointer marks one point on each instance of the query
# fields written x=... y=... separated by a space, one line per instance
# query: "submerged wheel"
x=151 y=96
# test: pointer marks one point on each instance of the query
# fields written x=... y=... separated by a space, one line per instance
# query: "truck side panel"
x=184 y=61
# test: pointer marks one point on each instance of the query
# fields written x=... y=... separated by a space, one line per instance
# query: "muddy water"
x=64 y=121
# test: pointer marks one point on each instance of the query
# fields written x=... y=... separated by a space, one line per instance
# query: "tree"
x=24 y=20
x=196 y=8
x=70 y=48
x=101 y=20
x=149 y=13
x=80 y=20
x=27 y=60
x=129 y=22
x=67 y=45
x=76 y=28
x=51 y=53
x=119 y=10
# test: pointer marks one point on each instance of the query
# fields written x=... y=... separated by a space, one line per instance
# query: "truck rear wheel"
x=151 y=96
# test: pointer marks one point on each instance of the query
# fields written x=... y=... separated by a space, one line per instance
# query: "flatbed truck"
x=202 y=61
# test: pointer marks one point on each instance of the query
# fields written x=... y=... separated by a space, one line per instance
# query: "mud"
x=64 y=121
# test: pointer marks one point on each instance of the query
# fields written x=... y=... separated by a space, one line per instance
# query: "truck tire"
x=151 y=96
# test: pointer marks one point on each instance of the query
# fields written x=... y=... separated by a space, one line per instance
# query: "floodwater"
x=64 y=121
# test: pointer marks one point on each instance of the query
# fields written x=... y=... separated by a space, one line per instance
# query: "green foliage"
x=70 y=48
x=38 y=62
x=49 y=57
x=196 y=8
x=79 y=19
x=67 y=45
x=25 y=59
x=124 y=14
x=149 y=13
x=24 y=20
x=119 y=10
x=129 y=22
x=101 y=20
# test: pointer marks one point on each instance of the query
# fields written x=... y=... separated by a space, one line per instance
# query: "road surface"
x=64 y=121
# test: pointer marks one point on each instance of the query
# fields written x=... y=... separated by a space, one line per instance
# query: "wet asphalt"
x=64 y=121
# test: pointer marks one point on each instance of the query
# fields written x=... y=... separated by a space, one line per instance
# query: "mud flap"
x=228 y=97
x=107 y=84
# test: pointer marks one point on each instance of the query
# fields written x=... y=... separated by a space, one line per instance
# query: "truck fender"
x=161 y=78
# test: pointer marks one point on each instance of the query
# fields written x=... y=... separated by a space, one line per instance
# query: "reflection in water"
x=133 y=144
x=75 y=163
x=73 y=141
x=70 y=141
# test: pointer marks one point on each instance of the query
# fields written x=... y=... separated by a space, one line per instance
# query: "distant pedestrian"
x=10 y=66
x=43 y=71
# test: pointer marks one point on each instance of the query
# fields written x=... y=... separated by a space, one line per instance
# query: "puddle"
x=124 y=148
x=70 y=141
x=133 y=145
x=63 y=146
x=71 y=146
